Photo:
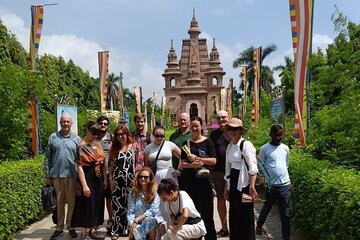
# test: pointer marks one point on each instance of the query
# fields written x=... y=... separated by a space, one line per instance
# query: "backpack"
x=48 y=198
x=263 y=177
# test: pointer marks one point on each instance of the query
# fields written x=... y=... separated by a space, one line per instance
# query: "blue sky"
x=138 y=33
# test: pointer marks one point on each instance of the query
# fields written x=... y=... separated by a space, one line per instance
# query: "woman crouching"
x=143 y=213
x=187 y=221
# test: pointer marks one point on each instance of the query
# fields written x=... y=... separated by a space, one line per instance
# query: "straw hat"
x=236 y=123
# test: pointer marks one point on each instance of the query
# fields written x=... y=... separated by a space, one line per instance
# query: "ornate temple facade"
x=193 y=83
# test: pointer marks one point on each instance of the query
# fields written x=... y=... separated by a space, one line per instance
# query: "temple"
x=193 y=83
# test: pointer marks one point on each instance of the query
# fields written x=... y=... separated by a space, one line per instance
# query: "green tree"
x=246 y=58
x=112 y=91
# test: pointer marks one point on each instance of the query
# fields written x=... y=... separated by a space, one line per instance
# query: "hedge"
x=326 y=199
x=20 y=194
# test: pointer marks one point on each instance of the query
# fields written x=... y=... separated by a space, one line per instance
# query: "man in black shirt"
x=221 y=139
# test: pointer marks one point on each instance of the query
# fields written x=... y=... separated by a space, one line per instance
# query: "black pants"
x=241 y=215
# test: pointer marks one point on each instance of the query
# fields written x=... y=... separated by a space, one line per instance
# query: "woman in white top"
x=240 y=175
x=162 y=160
x=180 y=207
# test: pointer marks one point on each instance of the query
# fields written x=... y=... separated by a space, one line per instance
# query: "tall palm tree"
x=112 y=91
x=246 y=58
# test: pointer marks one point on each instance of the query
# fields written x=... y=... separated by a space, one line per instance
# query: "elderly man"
x=182 y=134
x=221 y=138
x=60 y=169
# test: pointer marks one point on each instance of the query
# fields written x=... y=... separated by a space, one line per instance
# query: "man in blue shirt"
x=275 y=156
x=61 y=172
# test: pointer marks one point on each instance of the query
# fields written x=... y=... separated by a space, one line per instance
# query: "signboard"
x=126 y=116
x=278 y=111
x=69 y=109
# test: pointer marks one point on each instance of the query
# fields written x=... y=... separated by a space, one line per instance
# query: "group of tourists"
x=158 y=189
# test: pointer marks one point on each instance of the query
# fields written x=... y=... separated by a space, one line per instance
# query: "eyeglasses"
x=221 y=117
x=144 y=177
x=159 y=136
x=121 y=134
x=103 y=123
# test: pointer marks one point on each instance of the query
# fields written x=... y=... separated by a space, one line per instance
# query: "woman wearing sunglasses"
x=89 y=205
x=158 y=155
x=121 y=174
x=143 y=215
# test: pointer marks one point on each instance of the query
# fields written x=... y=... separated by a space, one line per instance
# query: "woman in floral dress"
x=121 y=174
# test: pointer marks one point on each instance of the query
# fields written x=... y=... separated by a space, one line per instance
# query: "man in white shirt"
x=275 y=156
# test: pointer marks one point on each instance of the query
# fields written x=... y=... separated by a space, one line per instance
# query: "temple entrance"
x=193 y=110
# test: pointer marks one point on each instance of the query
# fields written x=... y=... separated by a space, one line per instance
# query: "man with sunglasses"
x=61 y=172
x=221 y=139
x=105 y=138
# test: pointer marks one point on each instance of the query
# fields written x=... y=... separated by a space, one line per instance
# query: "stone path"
x=43 y=229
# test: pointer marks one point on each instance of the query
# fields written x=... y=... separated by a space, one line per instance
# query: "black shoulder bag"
x=153 y=165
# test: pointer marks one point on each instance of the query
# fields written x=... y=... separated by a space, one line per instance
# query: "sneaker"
x=72 y=233
x=222 y=233
x=56 y=235
x=259 y=230
x=95 y=235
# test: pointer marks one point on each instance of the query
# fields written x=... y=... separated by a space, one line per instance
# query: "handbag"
x=202 y=172
x=153 y=164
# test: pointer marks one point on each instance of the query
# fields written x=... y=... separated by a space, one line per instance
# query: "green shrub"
x=326 y=200
x=20 y=194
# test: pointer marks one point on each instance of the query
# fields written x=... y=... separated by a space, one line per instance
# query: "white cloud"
x=320 y=41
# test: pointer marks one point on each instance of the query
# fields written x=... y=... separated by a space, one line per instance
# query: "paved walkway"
x=44 y=228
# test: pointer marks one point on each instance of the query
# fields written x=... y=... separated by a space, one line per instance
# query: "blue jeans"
x=283 y=195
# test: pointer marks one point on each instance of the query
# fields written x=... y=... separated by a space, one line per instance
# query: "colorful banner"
x=37 y=16
x=155 y=95
x=138 y=98
x=223 y=98
x=104 y=78
x=229 y=98
x=257 y=76
x=301 y=17
x=163 y=107
x=243 y=75
x=121 y=95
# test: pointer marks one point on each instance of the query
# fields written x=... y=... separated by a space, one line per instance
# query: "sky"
x=138 y=33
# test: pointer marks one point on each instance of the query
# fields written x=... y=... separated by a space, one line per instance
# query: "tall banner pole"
x=121 y=96
x=37 y=16
x=243 y=113
x=155 y=95
x=104 y=78
x=301 y=17
x=256 y=85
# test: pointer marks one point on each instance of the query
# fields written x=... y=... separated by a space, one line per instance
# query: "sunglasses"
x=120 y=134
x=94 y=132
x=159 y=136
x=103 y=123
x=144 y=177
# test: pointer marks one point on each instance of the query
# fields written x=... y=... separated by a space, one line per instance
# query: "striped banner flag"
x=301 y=17
x=138 y=98
x=37 y=16
x=223 y=98
x=243 y=74
x=257 y=76
x=163 y=107
x=229 y=98
x=104 y=78
x=152 y=124
x=121 y=95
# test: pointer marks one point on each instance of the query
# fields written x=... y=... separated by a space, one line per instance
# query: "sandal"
x=222 y=233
